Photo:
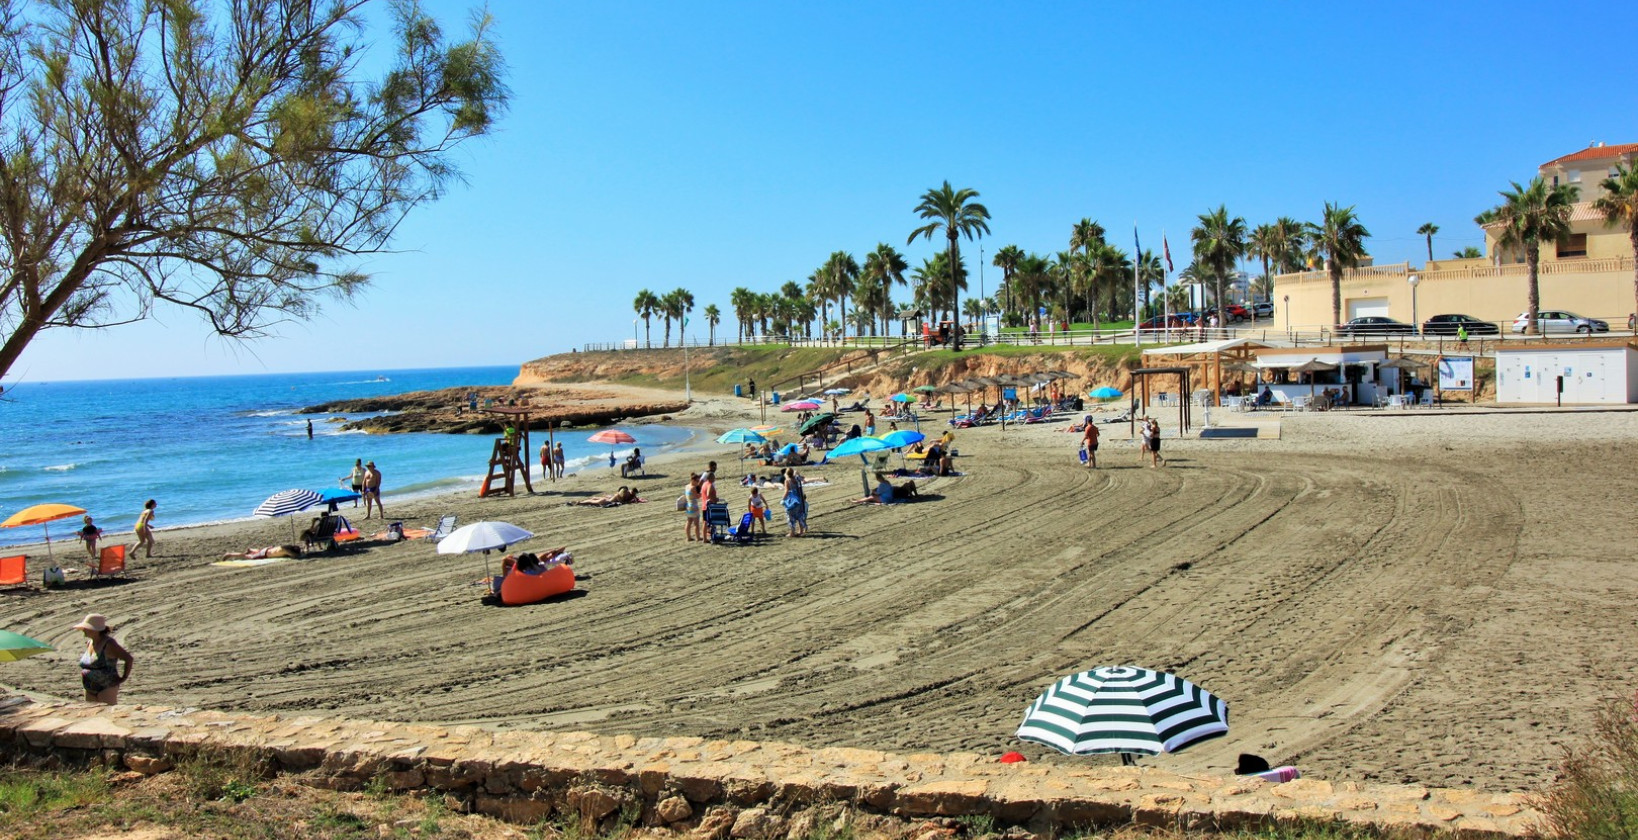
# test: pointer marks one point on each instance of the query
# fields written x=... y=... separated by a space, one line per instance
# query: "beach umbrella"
x=15 y=646
x=333 y=496
x=836 y=392
x=612 y=437
x=742 y=436
x=482 y=536
x=1311 y=367
x=857 y=446
x=1123 y=709
x=1105 y=393
x=925 y=389
x=286 y=503
x=802 y=405
x=903 y=398
x=766 y=429
x=815 y=422
x=902 y=438
x=41 y=515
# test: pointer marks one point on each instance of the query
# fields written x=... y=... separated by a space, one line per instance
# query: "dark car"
x=1262 y=309
x=1374 y=325
x=1448 y=324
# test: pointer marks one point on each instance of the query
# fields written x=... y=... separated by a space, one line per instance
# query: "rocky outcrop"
x=748 y=790
x=449 y=411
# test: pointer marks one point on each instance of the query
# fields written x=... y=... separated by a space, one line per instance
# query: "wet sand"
x=1419 y=597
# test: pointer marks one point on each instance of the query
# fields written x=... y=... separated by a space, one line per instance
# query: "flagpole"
x=1165 y=299
x=1137 y=269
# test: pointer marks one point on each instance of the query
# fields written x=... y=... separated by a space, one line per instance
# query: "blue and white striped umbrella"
x=288 y=502
x=1123 y=709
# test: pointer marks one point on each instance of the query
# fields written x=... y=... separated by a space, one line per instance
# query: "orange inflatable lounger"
x=520 y=587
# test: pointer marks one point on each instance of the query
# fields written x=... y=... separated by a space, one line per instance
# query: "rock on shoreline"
x=445 y=411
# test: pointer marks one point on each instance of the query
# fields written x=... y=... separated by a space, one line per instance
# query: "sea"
x=210 y=449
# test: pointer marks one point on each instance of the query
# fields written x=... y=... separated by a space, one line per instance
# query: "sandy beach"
x=1430 y=597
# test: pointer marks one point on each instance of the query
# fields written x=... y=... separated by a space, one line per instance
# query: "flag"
x=1167 y=247
x=1137 y=246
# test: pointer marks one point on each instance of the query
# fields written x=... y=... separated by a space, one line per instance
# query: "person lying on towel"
x=262 y=553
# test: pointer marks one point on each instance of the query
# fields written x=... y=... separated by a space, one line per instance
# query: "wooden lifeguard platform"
x=510 y=455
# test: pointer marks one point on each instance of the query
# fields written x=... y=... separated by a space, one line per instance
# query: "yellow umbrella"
x=40 y=515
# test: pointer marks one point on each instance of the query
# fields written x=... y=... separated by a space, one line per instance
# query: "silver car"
x=1558 y=321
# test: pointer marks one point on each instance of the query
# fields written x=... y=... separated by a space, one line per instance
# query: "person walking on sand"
x=758 y=508
x=1090 y=444
x=99 y=673
x=1152 y=428
x=796 y=504
x=546 y=462
x=691 y=508
x=89 y=534
x=870 y=422
x=355 y=479
x=372 y=491
x=558 y=460
x=145 y=529
x=1143 y=445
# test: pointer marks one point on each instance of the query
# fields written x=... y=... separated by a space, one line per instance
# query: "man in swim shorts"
x=1090 y=443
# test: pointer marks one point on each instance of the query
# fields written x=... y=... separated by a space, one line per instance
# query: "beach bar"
x=1354 y=370
x=1584 y=373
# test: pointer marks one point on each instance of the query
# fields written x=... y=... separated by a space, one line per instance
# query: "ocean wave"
x=436 y=485
x=270 y=412
x=60 y=467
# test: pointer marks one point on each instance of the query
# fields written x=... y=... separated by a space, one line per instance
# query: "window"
x=1574 y=245
x=1575 y=176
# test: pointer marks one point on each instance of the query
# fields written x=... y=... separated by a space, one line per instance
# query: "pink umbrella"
x=612 y=437
x=801 y=405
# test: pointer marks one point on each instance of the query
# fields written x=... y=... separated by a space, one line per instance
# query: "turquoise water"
x=210 y=449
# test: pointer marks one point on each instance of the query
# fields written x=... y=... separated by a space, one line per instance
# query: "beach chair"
x=110 y=561
x=716 y=516
x=878 y=460
x=741 y=534
x=1427 y=399
x=1299 y=403
x=446 y=526
x=14 y=572
x=322 y=533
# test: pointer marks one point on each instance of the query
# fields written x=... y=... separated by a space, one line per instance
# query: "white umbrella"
x=482 y=536
x=1126 y=710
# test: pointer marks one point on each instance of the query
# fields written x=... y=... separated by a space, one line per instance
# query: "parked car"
x=1236 y=313
x=1448 y=324
x=1559 y=321
x=1262 y=309
x=1374 y=325
x=1188 y=318
x=1163 y=322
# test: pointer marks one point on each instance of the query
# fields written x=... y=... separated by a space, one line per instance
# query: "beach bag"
x=53 y=577
x=682 y=502
x=395 y=531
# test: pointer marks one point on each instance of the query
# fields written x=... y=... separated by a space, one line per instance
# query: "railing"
x=1547 y=267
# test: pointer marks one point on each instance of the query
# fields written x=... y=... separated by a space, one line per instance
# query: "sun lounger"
x=110 y=561
x=716 y=516
x=741 y=534
x=14 y=572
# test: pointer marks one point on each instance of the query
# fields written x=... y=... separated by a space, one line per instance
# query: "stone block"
x=715 y=825
x=39 y=732
x=147 y=765
x=297 y=759
x=91 y=734
x=1305 y=789
x=404 y=779
x=746 y=792
x=593 y=802
x=949 y=798
x=1443 y=813
x=698 y=789
x=651 y=778
x=673 y=809
x=513 y=809
x=1088 y=812
x=757 y=824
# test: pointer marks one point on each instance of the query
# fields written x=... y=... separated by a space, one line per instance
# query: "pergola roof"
x=1204 y=347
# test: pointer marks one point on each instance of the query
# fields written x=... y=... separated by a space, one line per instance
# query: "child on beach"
x=758 y=508
x=89 y=534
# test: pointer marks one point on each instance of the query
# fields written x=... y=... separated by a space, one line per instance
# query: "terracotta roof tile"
x=1596 y=153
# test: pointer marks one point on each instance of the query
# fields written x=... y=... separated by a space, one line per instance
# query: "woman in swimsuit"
x=356 y=479
x=145 y=529
x=691 y=507
x=796 y=505
x=99 y=673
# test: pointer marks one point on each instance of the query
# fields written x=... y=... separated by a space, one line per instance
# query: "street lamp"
x=1416 y=324
x=1285 y=304
x=635 y=341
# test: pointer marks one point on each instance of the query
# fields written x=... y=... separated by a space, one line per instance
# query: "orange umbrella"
x=40 y=515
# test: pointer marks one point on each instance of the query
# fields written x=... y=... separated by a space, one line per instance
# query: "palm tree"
x=713 y=316
x=676 y=304
x=1529 y=215
x=744 y=302
x=957 y=214
x=1007 y=259
x=1340 y=238
x=1264 y=244
x=792 y=294
x=842 y=270
x=1467 y=253
x=1619 y=204
x=646 y=305
x=884 y=267
x=1110 y=269
x=1290 y=241
x=1069 y=277
x=1429 y=230
x=1219 y=241
x=1263 y=287
x=1034 y=276
x=818 y=291
x=1150 y=273
x=1084 y=235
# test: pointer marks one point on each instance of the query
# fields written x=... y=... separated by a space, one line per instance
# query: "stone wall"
x=718 y=789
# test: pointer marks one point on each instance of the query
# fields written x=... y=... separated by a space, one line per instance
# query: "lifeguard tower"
x=509 y=456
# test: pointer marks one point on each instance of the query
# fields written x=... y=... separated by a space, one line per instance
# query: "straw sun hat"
x=94 y=622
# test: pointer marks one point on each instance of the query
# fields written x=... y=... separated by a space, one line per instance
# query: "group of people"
x=90 y=533
x=702 y=491
x=552 y=461
x=1148 y=431
x=365 y=480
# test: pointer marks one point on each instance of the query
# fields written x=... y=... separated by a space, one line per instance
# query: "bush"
x=1595 y=796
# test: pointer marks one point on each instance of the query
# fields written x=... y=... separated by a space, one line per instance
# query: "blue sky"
x=712 y=145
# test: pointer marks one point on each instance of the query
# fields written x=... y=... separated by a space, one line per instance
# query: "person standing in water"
x=99 y=673
x=372 y=491
x=145 y=529
x=309 y=430
x=558 y=460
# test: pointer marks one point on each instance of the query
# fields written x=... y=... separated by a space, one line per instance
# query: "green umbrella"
x=815 y=423
x=15 y=646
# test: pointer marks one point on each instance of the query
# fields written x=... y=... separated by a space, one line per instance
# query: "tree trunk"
x=955 y=288
x=1334 y=268
x=648 y=333
x=1630 y=323
x=1532 y=255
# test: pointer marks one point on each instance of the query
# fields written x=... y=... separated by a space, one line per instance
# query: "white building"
x=1592 y=373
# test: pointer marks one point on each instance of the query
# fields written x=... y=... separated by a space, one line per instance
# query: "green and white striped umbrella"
x=1123 y=709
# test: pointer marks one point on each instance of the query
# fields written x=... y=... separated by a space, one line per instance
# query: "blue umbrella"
x=742 y=436
x=902 y=398
x=337 y=495
x=858 y=446
x=1105 y=393
x=902 y=438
